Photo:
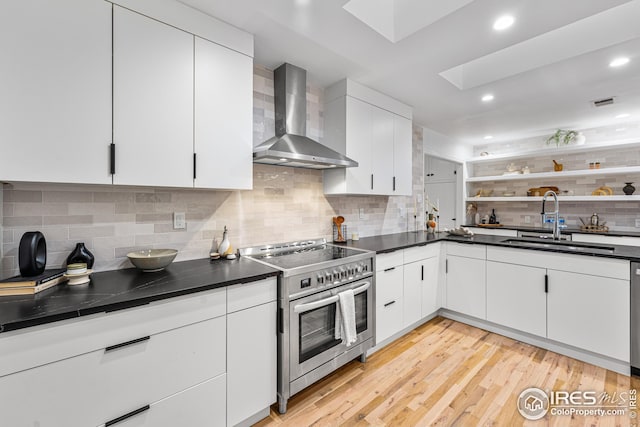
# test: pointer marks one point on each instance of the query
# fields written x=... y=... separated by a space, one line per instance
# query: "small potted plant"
x=562 y=136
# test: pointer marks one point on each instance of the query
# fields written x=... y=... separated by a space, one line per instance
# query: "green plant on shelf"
x=562 y=136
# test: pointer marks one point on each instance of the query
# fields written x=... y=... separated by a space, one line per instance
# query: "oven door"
x=313 y=324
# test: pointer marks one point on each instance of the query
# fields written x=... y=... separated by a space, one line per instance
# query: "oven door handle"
x=327 y=301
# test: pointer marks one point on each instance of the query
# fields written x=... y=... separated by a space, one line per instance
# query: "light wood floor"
x=445 y=373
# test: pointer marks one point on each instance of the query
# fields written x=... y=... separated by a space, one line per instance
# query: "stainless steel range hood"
x=291 y=146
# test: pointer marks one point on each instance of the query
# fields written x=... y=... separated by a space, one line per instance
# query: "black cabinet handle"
x=422 y=272
x=394 y=183
x=112 y=159
x=546 y=283
x=127 y=343
x=128 y=415
x=372 y=181
x=194 y=165
x=446 y=266
x=389 y=303
x=389 y=269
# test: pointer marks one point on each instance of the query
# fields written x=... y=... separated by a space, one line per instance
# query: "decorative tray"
x=460 y=232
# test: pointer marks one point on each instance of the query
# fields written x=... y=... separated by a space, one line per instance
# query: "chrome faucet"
x=555 y=213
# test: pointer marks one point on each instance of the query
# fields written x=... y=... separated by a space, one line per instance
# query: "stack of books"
x=19 y=285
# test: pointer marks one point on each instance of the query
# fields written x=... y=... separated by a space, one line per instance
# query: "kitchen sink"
x=560 y=245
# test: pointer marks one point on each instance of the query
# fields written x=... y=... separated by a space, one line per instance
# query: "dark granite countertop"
x=568 y=230
x=119 y=289
x=393 y=242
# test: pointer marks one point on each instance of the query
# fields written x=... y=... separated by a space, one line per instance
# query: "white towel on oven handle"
x=346 y=318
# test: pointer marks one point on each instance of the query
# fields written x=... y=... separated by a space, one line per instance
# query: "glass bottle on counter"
x=492 y=218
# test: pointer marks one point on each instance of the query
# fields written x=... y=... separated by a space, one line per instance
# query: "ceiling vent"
x=603 y=102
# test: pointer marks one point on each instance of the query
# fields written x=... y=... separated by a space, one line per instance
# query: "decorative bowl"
x=150 y=260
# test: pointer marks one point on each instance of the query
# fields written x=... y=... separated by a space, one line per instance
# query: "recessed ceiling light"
x=623 y=116
x=283 y=160
x=488 y=137
x=619 y=62
x=503 y=22
x=488 y=97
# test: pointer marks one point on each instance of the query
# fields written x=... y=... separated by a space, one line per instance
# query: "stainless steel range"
x=314 y=273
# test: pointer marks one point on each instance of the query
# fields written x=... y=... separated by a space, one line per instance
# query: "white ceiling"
x=544 y=71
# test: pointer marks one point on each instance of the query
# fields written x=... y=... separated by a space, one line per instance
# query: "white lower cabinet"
x=107 y=383
x=412 y=295
x=168 y=367
x=579 y=301
x=466 y=287
x=406 y=288
x=200 y=405
x=389 y=300
x=420 y=290
x=252 y=361
x=589 y=312
x=430 y=300
x=516 y=297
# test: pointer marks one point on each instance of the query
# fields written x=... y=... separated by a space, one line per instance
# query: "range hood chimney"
x=291 y=146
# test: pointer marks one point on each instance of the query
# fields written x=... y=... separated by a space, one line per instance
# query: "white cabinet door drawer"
x=418 y=253
x=253 y=362
x=388 y=319
x=60 y=340
x=201 y=405
x=389 y=285
x=388 y=260
x=102 y=385
x=246 y=295
x=467 y=250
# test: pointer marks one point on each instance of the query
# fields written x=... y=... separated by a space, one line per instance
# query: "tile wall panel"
x=285 y=204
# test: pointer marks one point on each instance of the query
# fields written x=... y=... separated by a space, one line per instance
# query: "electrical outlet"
x=179 y=221
x=527 y=219
x=401 y=212
x=361 y=213
x=637 y=223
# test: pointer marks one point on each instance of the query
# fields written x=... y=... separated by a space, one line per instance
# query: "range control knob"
x=320 y=279
x=336 y=275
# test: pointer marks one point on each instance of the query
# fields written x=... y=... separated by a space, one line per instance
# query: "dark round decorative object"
x=628 y=189
x=81 y=254
x=32 y=254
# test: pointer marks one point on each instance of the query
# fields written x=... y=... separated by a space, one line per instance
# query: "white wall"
x=439 y=145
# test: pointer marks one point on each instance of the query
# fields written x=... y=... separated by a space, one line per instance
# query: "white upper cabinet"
x=55 y=107
x=153 y=102
x=381 y=146
x=374 y=130
x=223 y=117
x=83 y=74
x=403 y=156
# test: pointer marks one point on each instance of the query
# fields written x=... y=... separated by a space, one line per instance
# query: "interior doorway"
x=441 y=189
